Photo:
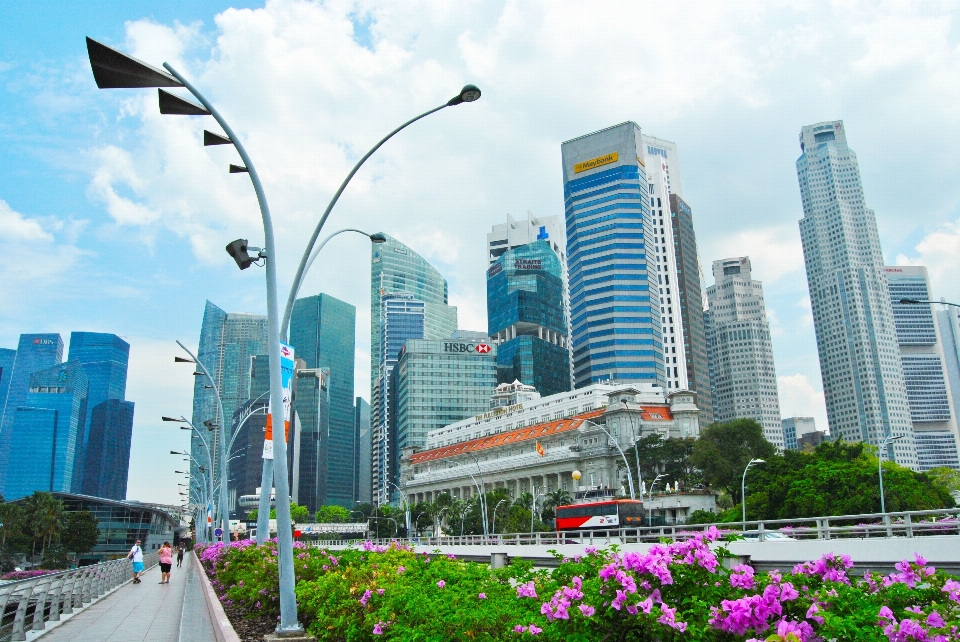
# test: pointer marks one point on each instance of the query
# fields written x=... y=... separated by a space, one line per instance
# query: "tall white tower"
x=741 y=354
x=856 y=337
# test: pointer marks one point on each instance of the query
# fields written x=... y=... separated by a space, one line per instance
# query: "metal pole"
x=615 y=443
x=302 y=268
x=883 y=445
x=483 y=513
x=224 y=509
x=295 y=289
x=743 y=488
x=636 y=447
x=483 y=497
x=288 y=601
x=495 y=508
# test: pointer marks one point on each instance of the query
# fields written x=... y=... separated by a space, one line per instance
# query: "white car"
x=768 y=536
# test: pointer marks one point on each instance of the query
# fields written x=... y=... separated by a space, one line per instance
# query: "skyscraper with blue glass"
x=104 y=358
x=107 y=455
x=46 y=432
x=34 y=352
x=526 y=317
x=323 y=334
x=614 y=297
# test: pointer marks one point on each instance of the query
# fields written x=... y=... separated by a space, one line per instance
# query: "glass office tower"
x=46 y=431
x=363 y=459
x=7 y=359
x=614 y=297
x=104 y=358
x=34 y=352
x=107 y=457
x=228 y=340
x=315 y=445
x=323 y=334
x=526 y=317
x=924 y=369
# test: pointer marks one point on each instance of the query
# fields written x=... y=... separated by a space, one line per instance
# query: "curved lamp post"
x=206 y=447
x=114 y=69
x=883 y=449
x=650 y=495
x=743 y=488
x=617 y=444
x=495 y=509
x=636 y=438
x=468 y=94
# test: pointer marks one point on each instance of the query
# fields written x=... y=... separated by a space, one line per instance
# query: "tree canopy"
x=724 y=450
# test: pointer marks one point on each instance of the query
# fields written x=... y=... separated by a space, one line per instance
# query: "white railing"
x=870 y=525
x=37 y=600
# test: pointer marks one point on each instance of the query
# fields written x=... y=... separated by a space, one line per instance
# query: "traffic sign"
x=218 y=532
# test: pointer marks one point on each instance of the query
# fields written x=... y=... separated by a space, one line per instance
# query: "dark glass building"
x=104 y=358
x=689 y=280
x=34 y=353
x=107 y=457
x=364 y=454
x=323 y=334
x=527 y=319
x=46 y=432
x=312 y=461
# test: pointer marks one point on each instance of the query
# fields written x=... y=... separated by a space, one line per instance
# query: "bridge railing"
x=30 y=603
x=869 y=525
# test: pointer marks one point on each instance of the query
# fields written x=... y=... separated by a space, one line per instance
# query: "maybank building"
x=614 y=298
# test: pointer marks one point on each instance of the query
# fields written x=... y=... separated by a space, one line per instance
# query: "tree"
x=299 y=514
x=43 y=520
x=332 y=514
x=556 y=498
x=946 y=478
x=81 y=533
x=724 y=449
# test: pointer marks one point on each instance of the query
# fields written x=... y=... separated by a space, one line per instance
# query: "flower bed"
x=679 y=591
x=25 y=575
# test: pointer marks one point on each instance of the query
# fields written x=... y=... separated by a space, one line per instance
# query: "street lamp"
x=495 y=508
x=206 y=447
x=883 y=449
x=114 y=69
x=483 y=496
x=918 y=301
x=650 y=494
x=743 y=488
x=468 y=94
x=636 y=447
x=617 y=444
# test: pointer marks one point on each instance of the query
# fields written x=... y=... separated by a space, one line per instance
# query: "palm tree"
x=44 y=517
x=559 y=497
x=524 y=500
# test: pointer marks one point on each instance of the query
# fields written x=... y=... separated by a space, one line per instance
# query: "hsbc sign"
x=479 y=348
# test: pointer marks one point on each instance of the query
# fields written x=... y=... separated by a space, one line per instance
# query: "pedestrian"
x=136 y=555
x=180 y=555
x=166 y=561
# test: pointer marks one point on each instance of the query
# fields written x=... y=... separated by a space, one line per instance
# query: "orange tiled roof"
x=517 y=435
x=656 y=413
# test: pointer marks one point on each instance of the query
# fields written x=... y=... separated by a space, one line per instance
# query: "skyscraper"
x=397 y=270
x=34 y=352
x=228 y=340
x=614 y=289
x=741 y=353
x=46 y=432
x=924 y=369
x=363 y=459
x=104 y=358
x=7 y=359
x=526 y=317
x=316 y=449
x=794 y=428
x=107 y=453
x=514 y=233
x=323 y=334
x=856 y=338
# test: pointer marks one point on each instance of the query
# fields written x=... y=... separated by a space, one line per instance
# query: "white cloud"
x=939 y=251
x=18 y=228
x=775 y=252
x=798 y=398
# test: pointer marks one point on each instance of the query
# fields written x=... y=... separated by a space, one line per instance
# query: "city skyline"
x=96 y=221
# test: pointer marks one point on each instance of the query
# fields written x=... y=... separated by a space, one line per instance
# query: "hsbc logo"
x=481 y=348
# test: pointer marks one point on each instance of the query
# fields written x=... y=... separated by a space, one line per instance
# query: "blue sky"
x=114 y=218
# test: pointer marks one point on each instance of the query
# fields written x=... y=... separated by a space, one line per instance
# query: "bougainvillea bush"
x=677 y=591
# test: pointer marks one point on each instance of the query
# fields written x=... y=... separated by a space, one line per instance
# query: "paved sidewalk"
x=146 y=612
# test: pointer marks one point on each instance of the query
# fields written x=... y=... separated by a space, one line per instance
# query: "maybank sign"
x=595 y=162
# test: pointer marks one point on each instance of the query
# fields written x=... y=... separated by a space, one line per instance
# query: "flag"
x=540 y=450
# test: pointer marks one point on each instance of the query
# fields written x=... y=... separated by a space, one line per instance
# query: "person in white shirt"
x=136 y=555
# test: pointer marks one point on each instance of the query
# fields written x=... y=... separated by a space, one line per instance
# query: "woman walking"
x=180 y=555
x=136 y=556
x=166 y=561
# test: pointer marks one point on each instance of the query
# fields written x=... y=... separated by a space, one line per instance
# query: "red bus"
x=601 y=515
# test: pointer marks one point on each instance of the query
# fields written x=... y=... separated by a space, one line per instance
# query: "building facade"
x=34 y=352
x=526 y=317
x=437 y=383
x=228 y=341
x=47 y=432
x=856 y=337
x=316 y=470
x=514 y=233
x=504 y=445
x=364 y=455
x=614 y=290
x=323 y=334
x=924 y=368
x=948 y=323
x=744 y=378
x=104 y=358
x=794 y=428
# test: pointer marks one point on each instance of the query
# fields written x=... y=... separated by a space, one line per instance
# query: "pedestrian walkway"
x=146 y=612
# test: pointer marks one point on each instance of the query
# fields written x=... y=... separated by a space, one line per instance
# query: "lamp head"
x=468 y=94
x=182 y=360
x=759 y=461
x=908 y=301
x=378 y=237
x=576 y=475
x=238 y=250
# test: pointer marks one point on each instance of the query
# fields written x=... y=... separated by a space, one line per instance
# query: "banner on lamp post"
x=286 y=380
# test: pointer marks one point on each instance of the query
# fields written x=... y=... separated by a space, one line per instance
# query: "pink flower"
x=366 y=596
x=378 y=628
x=934 y=620
x=482 y=596
x=519 y=629
x=380 y=591
x=535 y=630
x=587 y=610
x=401 y=569
x=526 y=590
x=441 y=584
